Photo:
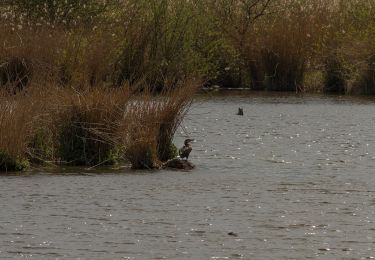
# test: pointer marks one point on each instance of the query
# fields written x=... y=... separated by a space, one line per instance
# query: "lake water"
x=294 y=178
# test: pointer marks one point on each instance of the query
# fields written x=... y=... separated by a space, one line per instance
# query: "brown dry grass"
x=82 y=121
x=177 y=101
x=18 y=122
x=149 y=123
x=100 y=125
x=280 y=47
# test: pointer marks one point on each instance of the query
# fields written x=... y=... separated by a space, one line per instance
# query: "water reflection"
x=292 y=178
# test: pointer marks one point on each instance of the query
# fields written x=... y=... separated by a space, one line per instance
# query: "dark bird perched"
x=186 y=149
x=240 y=111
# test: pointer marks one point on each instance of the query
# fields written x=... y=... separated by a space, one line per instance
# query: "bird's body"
x=184 y=152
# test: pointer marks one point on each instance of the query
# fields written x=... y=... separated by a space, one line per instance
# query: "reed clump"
x=176 y=102
x=17 y=123
x=93 y=126
x=285 y=47
x=80 y=120
x=79 y=144
x=149 y=121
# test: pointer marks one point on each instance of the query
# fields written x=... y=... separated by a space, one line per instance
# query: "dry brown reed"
x=39 y=48
x=94 y=125
x=18 y=117
x=149 y=123
x=82 y=120
x=177 y=101
x=284 y=44
x=138 y=131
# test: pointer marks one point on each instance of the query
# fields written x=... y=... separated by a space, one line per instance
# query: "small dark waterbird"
x=240 y=111
x=184 y=152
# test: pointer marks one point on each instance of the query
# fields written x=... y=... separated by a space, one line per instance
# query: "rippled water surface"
x=294 y=178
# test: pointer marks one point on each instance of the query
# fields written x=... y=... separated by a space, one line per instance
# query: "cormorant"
x=186 y=149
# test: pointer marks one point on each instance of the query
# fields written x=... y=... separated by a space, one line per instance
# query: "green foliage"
x=41 y=147
x=142 y=155
x=283 y=72
x=159 y=44
x=366 y=81
x=10 y=164
x=258 y=44
x=357 y=19
x=335 y=76
x=354 y=47
x=68 y=12
x=167 y=151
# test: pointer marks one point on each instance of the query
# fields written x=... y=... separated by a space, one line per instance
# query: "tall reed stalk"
x=18 y=115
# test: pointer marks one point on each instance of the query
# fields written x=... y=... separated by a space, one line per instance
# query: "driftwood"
x=179 y=164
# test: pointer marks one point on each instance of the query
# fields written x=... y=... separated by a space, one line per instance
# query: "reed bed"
x=93 y=82
x=18 y=122
x=148 y=124
x=81 y=119
x=92 y=126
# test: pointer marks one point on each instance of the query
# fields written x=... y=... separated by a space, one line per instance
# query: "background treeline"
x=282 y=45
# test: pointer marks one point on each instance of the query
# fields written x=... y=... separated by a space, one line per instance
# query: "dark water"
x=294 y=178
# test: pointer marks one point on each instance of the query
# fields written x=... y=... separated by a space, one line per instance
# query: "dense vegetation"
x=292 y=45
x=90 y=82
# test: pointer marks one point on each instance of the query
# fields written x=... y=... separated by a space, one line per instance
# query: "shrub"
x=78 y=146
x=365 y=83
x=9 y=163
x=41 y=147
x=335 y=75
x=160 y=44
x=83 y=122
x=170 y=152
x=142 y=154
